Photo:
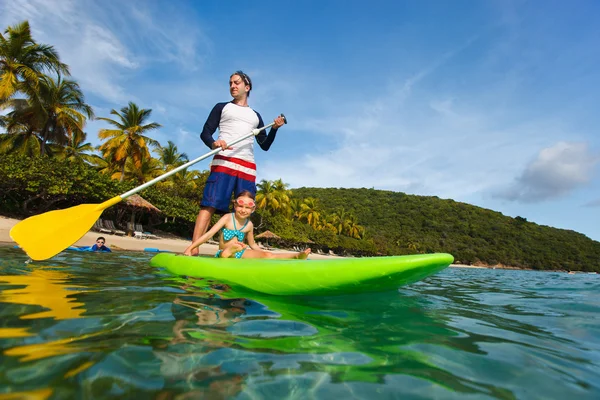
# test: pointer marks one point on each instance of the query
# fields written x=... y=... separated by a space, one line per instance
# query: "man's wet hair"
x=245 y=78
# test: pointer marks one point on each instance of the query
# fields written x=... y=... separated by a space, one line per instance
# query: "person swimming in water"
x=99 y=245
x=234 y=228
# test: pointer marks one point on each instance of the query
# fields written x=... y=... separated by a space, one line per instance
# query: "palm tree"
x=340 y=220
x=266 y=197
x=328 y=223
x=128 y=139
x=309 y=211
x=23 y=61
x=186 y=181
x=149 y=169
x=104 y=167
x=56 y=114
x=283 y=194
x=77 y=150
x=65 y=111
x=413 y=246
x=21 y=134
x=170 y=156
x=353 y=229
x=273 y=196
x=293 y=210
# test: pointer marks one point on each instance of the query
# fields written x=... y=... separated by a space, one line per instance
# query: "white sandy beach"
x=117 y=243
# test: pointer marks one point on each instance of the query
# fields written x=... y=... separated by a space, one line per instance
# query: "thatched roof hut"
x=267 y=235
x=138 y=201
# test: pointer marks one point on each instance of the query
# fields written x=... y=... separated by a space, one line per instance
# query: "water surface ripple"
x=86 y=325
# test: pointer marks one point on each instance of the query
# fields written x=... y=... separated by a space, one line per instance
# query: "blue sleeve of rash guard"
x=211 y=125
x=264 y=140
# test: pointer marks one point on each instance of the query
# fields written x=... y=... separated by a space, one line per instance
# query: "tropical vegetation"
x=47 y=162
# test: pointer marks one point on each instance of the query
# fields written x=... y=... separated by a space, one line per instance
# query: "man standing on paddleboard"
x=232 y=170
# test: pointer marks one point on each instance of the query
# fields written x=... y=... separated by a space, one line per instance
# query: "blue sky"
x=492 y=103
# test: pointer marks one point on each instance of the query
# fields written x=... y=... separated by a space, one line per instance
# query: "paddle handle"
x=194 y=161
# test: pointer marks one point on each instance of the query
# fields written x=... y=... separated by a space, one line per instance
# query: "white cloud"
x=183 y=133
x=108 y=45
x=556 y=171
x=95 y=55
x=450 y=146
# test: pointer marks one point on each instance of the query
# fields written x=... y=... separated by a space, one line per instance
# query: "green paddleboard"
x=308 y=277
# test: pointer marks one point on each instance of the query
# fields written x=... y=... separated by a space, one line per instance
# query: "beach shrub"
x=38 y=184
x=31 y=186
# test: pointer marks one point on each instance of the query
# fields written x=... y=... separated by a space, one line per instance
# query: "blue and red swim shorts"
x=228 y=176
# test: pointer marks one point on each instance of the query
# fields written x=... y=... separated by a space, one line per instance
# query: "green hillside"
x=401 y=224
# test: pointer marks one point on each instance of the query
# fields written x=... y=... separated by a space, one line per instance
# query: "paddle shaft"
x=194 y=161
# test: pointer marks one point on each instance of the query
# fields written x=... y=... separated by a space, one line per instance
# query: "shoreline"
x=129 y=243
x=178 y=245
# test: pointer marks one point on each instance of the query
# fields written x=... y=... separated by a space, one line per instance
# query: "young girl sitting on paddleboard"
x=234 y=228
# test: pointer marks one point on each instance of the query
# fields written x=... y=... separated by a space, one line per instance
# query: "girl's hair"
x=245 y=193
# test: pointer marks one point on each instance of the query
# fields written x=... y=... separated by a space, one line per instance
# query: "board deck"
x=304 y=277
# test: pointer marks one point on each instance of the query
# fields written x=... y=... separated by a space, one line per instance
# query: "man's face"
x=237 y=87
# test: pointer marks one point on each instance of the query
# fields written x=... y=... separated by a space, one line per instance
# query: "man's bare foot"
x=303 y=255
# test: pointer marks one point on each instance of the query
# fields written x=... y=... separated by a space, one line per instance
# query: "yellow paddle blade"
x=44 y=236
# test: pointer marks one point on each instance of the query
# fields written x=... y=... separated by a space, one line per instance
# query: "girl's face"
x=244 y=206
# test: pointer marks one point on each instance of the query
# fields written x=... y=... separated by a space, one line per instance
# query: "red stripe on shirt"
x=233 y=172
x=238 y=161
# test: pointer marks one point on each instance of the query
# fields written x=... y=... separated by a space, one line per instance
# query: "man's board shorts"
x=228 y=175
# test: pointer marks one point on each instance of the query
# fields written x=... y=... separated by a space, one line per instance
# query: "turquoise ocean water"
x=98 y=326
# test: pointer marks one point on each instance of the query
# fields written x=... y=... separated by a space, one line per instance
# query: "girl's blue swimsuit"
x=229 y=234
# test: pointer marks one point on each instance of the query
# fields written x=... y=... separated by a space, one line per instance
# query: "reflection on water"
x=104 y=326
x=46 y=288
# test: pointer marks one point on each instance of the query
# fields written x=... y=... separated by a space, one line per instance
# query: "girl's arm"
x=250 y=237
x=216 y=227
